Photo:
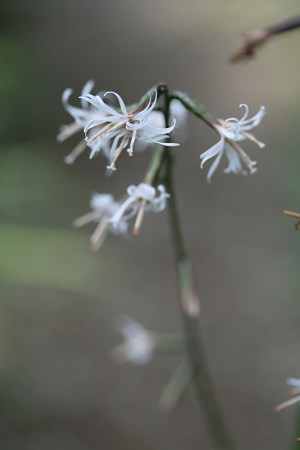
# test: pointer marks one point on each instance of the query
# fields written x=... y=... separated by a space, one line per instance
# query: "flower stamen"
x=243 y=155
x=133 y=139
x=112 y=165
x=105 y=130
x=85 y=219
x=139 y=218
x=68 y=130
x=70 y=158
x=100 y=233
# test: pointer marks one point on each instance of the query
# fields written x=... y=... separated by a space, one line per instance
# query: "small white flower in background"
x=124 y=127
x=295 y=385
x=112 y=216
x=178 y=113
x=82 y=116
x=139 y=343
x=103 y=207
x=142 y=195
x=295 y=391
x=231 y=132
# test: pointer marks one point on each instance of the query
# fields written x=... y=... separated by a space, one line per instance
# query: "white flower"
x=231 y=131
x=295 y=391
x=293 y=382
x=82 y=116
x=140 y=198
x=295 y=385
x=139 y=344
x=112 y=216
x=125 y=127
x=103 y=207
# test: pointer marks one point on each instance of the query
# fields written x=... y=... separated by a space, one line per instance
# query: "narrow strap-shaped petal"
x=255 y=120
x=153 y=129
x=87 y=89
x=212 y=151
x=134 y=126
x=213 y=167
x=98 y=103
x=99 y=121
x=246 y=113
x=166 y=144
x=120 y=100
x=149 y=107
x=234 y=162
x=115 y=144
x=117 y=216
x=141 y=113
x=77 y=113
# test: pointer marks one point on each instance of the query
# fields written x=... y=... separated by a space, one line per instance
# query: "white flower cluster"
x=113 y=216
x=110 y=130
x=231 y=132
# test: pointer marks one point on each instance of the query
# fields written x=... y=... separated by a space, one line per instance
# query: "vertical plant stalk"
x=188 y=301
x=296 y=432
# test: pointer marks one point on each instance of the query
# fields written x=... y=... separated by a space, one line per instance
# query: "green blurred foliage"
x=51 y=257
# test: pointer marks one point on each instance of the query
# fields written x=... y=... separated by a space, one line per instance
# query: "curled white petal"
x=155 y=201
x=138 y=126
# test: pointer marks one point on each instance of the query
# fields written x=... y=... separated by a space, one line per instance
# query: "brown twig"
x=257 y=37
x=295 y=216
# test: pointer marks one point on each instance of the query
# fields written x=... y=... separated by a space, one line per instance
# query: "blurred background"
x=58 y=387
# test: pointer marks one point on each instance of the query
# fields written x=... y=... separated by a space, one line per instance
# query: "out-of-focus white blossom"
x=139 y=343
x=178 y=113
x=124 y=127
x=103 y=206
x=81 y=115
x=113 y=216
x=231 y=132
x=294 y=383
x=138 y=195
x=295 y=391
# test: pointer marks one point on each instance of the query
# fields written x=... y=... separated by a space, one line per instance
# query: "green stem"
x=155 y=166
x=296 y=434
x=201 y=377
x=189 y=312
x=194 y=107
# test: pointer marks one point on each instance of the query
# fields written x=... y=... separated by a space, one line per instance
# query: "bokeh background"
x=58 y=386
